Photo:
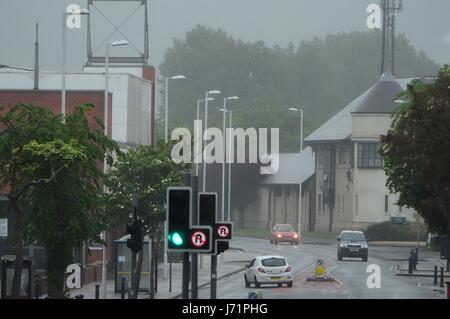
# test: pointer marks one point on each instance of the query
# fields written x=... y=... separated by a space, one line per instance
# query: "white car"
x=268 y=270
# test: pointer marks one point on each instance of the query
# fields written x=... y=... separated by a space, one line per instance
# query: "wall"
x=270 y=209
x=118 y=85
x=51 y=99
x=370 y=184
x=370 y=126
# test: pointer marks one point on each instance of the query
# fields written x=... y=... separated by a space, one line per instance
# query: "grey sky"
x=426 y=24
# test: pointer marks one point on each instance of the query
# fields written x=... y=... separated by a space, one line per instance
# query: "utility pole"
x=186 y=264
x=390 y=9
x=36 y=60
x=194 y=256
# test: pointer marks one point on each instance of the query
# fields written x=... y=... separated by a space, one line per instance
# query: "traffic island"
x=320 y=273
x=321 y=279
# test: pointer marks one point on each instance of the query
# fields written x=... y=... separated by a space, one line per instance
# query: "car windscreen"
x=273 y=262
x=353 y=237
x=285 y=229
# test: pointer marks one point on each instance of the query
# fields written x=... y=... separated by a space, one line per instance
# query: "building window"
x=319 y=200
x=386 y=203
x=400 y=209
x=320 y=153
x=368 y=156
x=278 y=191
x=343 y=204
x=343 y=155
x=339 y=203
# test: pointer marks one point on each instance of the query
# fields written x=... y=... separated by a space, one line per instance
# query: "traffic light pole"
x=194 y=256
x=185 y=278
x=213 y=294
x=133 y=274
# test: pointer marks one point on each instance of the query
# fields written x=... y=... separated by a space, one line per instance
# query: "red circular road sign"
x=223 y=231
x=198 y=239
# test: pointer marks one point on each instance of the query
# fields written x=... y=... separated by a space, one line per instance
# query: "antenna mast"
x=390 y=9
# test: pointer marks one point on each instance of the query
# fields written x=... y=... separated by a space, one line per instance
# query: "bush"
x=393 y=232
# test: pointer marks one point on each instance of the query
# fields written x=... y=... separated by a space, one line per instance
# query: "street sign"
x=182 y=236
x=199 y=239
x=224 y=230
x=207 y=203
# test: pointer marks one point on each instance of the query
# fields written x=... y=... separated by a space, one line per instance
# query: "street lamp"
x=198 y=151
x=224 y=110
x=113 y=44
x=106 y=120
x=229 y=167
x=64 y=47
x=294 y=109
x=166 y=104
x=212 y=92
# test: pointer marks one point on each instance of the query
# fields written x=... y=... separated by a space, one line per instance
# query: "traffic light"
x=135 y=240
x=178 y=208
x=222 y=231
x=181 y=235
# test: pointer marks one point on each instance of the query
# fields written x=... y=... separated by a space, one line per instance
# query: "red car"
x=283 y=233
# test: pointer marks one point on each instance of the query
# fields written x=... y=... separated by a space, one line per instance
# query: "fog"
x=425 y=23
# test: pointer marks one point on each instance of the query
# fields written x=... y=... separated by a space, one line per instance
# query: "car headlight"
x=364 y=245
x=343 y=245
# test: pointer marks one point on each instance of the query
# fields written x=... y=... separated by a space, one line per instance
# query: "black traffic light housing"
x=182 y=236
x=207 y=205
x=135 y=240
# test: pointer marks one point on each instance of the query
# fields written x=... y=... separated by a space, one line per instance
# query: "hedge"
x=387 y=231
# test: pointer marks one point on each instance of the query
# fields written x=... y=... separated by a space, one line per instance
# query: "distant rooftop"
x=294 y=168
x=379 y=98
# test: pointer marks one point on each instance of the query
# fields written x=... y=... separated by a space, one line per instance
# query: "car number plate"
x=354 y=249
x=275 y=278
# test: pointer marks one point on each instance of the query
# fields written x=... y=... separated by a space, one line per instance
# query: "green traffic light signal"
x=176 y=239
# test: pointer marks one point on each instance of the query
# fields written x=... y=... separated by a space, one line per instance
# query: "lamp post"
x=166 y=104
x=224 y=110
x=212 y=92
x=229 y=167
x=106 y=117
x=64 y=48
x=198 y=151
x=293 y=109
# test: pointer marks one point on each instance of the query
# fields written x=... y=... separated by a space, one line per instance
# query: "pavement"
x=351 y=275
x=228 y=263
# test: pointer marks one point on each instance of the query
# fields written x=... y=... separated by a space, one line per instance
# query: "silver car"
x=268 y=270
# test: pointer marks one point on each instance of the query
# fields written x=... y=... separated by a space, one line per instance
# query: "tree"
x=52 y=169
x=416 y=151
x=19 y=126
x=319 y=76
x=145 y=172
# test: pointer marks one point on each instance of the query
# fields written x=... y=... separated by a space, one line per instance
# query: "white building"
x=286 y=197
x=132 y=100
x=351 y=187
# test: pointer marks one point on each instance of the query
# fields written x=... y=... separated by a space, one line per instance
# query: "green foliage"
x=320 y=76
x=146 y=172
x=416 y=151
x=52 y=166
x=386 y=231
